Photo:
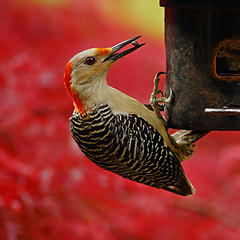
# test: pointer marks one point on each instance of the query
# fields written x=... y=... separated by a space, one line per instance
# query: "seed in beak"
x=135 y=43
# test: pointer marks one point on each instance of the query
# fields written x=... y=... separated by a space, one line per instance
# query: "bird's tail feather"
x=183 y=188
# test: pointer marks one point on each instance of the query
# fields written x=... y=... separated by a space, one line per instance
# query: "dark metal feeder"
x=203 y=64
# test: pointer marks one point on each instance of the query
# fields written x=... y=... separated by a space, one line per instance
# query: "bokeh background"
x=48 y=189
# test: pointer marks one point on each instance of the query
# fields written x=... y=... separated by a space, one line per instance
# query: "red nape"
x=67 y=76
x=76 y=100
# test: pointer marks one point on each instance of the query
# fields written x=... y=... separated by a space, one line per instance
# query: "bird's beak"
x=113 y=56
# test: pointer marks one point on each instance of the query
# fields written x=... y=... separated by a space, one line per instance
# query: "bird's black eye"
x=90 y=60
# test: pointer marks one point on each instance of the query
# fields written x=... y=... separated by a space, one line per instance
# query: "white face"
x=93 y=64
x=86 y=72
x=89 y=65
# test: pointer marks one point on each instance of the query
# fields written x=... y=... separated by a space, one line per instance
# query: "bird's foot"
x=159 y=103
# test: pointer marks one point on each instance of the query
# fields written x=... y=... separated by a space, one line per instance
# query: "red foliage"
x=48 y=189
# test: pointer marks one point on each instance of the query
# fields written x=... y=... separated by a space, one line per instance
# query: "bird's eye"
x=90 y=60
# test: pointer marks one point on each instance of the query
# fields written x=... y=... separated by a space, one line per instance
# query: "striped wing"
x=127 y=145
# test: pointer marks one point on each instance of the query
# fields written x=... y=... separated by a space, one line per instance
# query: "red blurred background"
x=48 y=189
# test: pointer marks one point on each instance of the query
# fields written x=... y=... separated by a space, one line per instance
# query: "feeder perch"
x=203 y=64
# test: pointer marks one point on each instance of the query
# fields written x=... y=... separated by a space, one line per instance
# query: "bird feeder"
x=203 y=64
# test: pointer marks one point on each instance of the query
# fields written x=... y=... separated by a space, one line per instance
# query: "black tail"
x=183 y=187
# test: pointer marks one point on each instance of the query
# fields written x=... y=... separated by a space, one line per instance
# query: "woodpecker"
x=117 y=132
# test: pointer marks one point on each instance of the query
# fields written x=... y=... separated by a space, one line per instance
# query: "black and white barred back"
x=128 y=145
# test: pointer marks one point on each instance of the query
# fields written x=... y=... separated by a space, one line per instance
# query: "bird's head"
x=91 y=66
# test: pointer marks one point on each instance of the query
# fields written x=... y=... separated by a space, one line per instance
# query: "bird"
x=117 y=132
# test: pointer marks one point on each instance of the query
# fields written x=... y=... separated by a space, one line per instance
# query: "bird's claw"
x=158 y=104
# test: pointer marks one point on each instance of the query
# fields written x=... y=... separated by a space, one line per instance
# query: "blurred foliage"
x=141 y=15
x=48 y=189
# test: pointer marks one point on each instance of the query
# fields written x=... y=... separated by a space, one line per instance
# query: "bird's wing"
x=128 y=145
x=141 y=149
